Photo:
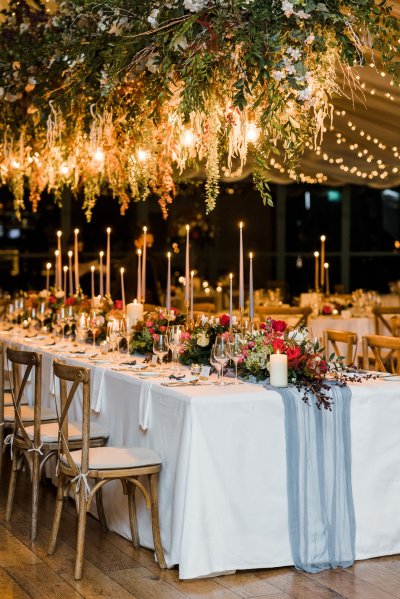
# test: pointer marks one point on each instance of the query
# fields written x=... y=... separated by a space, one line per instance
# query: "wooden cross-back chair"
x=383 y=320
x=288 y=314
x=99 y=465
x=377 y=343
x=348 y=341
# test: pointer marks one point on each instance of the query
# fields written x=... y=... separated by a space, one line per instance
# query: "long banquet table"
x=223 y=496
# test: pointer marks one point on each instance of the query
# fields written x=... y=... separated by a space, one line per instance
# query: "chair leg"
x=57 y=515
x=155 y=522
x=1 y=448
x=35 y=493
x=11 y=486
x=100 y=509
x=80 y=541
x=132 y=514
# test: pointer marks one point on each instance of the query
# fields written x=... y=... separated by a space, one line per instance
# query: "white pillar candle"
x=139 y=276
x=144 y=254
x=76 y=260
x=191 y=295
x=322 y=269
x=230 y=299
x=56 y=254
x=134 y=312
x=241 y=268
x=168 y=300
x=65 y=269
x=59 y=265
x=71 y=284
x=187 y=272
x=92 y=268
x=122 y=270
x=326 y=267
x=48 y=267
x=316 y=274
x=278 y=370
x=101 y=288
x=251 y=289
x=108 y=262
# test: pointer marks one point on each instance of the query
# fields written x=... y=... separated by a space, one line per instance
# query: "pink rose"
x=151 y=331
x=149 y=324
x=163 y=329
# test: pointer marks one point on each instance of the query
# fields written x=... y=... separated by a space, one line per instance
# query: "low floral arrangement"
x=198 y=344
x=154 y=323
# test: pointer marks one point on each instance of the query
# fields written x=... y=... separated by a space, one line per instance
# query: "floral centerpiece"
x=307 y=363
x=154 y=323
x=198 y=344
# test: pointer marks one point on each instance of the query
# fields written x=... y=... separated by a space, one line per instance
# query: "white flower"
x=278 y=75
x=44 y=293
x=202 y=340
x=298 y=336
x=294 y=53
x=152 y=18
x=151 y=63
x=194 y=5
x=310 y=39
x=287 y=8
x=181 y=43
x=305 y=94
x=303 y=15
x=59 y=294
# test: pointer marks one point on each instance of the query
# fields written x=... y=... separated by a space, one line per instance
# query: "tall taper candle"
x=48 y=267
x=139 y=275
x=65 y=269
x=71 y=284
x=76 y=260
x=56 y=254
x=92 y=268
x=326 y=267
x=191 y=295
x=251 y=289
x=168 y=301
x=187 y=272
x=122 y=270
x=230 y=300
x=241 y=269
x=101 y=254
x=316 y=277
x=108 y=262
x=322 y=268
x=59 y=263
x=144 y=264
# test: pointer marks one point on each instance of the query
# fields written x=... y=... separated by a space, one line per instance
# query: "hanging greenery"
x=123 y=96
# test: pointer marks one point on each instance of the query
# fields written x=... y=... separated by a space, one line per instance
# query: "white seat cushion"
x=111 y=458
x=27 y=413
x=49 y=432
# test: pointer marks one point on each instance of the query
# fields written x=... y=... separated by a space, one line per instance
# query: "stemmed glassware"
x=95 y=322
x=235 y=352
x=160 y=347
x=221 y=355
x=216 y=364
x=174 y=340
x=81 y=326
x=41 y=314
x=113 y=330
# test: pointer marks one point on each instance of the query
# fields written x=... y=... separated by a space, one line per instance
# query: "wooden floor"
x=114 y=569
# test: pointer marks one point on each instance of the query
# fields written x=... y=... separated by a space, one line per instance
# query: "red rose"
x=52 y=299
x=224 y=320
x=326 y=310
x=263 y=325
x=163 y=329
x=70 y=301
x=118 y=304
x=151 y=331
x=278 y=344
x=278 y=325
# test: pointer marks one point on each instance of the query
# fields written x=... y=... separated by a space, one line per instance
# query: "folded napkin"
x=145 y=404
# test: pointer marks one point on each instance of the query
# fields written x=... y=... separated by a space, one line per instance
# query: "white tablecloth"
x=223 y=499
x=363 y=325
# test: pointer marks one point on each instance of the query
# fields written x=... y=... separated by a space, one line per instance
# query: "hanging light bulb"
x=99 y=155
x=142 y=155
x=15 y=164
x=187 y=139
x=64 y=169
x=253 y=133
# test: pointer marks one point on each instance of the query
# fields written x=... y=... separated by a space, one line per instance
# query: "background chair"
x=99 y=465
x=390 y=362
x=383 y=322
x=348 y=341
x=294 y=316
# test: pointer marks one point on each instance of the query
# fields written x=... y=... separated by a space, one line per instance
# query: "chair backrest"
x=395 y=326
x=350 y=340
x=77 y=375
x=288 y=313
x=32 y=361
x=1 y=387
x=377 y=343
x=383 y=324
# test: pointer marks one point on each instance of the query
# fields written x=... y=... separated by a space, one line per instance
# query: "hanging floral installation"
x=122 y=97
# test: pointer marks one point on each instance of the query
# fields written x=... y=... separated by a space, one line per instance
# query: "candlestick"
x=187 y=268
x=76 y=261
x=143 y=286
x=168 y=300
x=122 y=270
x=48 y=267
x=134 y=312
x=278 y=370
x=108 y=262
x=191 y=295
x=241 y=269
x=71 y=285
x=326 y=267
x=230 y=300
x=316 y=277
x=92 y=268
x=59 y=265
x=65 y=269
x=323 y=238
x=56 y=255
x=251 y=290
x=101 y=254
x=139 y=276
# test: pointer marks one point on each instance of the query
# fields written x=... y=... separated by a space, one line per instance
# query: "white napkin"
x=145 y=404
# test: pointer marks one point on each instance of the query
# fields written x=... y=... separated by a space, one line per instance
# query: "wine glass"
x=81 y=326
x=160 y=347
x=174 y=340
x=41 y=314
x=216 y=364
x=221 y=355
x=95 y=322
x=235 y=353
